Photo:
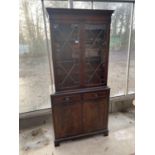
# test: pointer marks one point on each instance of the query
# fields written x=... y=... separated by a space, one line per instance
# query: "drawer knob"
x=96 y=95
x=67 y=99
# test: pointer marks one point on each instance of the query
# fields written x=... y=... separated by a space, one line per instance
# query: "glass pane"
x=131 y=85
x=82 y=5
x=56 y=4
x=67 y=47
x=118 y=45
x=66 y=38
x=34 y=76
x=94 y=54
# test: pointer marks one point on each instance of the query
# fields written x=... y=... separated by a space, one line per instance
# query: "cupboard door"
x=67 y=116
x=95 y=54
x=95 y=113
x=66 y=45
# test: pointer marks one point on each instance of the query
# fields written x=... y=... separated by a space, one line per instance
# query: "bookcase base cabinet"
x=80 y=113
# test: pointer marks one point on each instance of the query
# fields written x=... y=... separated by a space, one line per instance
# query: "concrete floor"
x=39 y=140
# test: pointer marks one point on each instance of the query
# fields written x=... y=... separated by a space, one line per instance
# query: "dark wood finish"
x=80 y=50
x=67 y=118
x=94 y=113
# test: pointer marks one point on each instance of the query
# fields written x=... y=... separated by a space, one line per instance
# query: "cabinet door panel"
x=66 y=45
x=95 y=54
x=67 y=118
x=95 y=113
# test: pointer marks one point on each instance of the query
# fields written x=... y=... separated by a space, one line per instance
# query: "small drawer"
x=67 y=98
x=94 y=95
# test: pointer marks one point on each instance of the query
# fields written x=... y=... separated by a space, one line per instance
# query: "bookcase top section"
x=56 y=11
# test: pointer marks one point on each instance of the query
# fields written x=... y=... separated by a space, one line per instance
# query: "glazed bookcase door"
x=95 y=36
x=67 y=55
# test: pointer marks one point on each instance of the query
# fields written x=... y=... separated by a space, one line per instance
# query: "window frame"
x=70 y=5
